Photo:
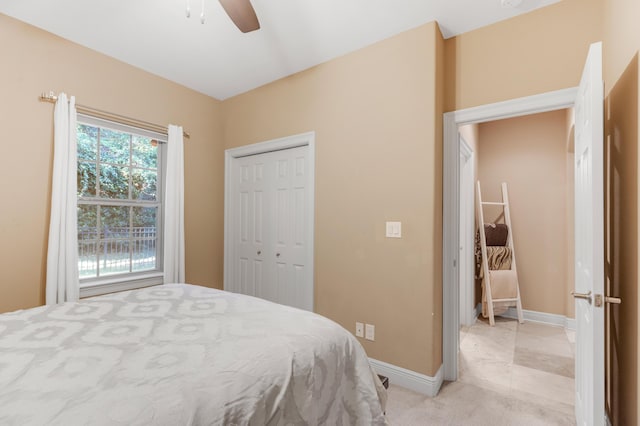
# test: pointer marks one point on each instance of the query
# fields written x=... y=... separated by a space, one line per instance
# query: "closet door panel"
x=250 y=232
x=290 y=217
x=299 y=218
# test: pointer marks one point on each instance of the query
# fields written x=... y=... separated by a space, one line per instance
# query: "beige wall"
x=529 y=154
x=34 y=61
x=621 y=44
x=378 y=157
x=541 y=51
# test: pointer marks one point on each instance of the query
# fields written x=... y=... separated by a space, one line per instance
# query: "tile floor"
x=510 y=374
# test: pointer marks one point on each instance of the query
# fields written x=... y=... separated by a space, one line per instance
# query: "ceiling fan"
x=240 y=11
x=242 y=14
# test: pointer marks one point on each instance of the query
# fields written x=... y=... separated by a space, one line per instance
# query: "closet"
x=270 y=227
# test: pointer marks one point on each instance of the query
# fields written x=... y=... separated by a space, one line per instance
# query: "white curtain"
x=174 y=208
x=62 y=254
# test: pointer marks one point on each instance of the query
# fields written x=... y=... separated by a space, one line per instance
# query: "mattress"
x=179 y=354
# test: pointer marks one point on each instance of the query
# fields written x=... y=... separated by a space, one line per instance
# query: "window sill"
x=113 y=285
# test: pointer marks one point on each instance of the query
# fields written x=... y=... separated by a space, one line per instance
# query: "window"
x=119 y=205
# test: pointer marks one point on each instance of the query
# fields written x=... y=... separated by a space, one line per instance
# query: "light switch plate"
x=394 y=230
x=359 y=329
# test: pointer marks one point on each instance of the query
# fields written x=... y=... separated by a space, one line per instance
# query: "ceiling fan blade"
x=242 y=14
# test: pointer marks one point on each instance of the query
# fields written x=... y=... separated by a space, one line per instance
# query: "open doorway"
x=533 y=155
x=532 y=361
x=451 y=201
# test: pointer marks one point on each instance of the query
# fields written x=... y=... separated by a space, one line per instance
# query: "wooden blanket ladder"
x=490 y=300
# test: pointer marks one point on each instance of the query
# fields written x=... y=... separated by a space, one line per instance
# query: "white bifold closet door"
x=270 y=228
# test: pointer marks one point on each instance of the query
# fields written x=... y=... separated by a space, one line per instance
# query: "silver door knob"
x=586 y=296
x=613 y=300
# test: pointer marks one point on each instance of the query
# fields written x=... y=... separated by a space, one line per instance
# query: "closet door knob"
x=277 y=254
x=259 y=252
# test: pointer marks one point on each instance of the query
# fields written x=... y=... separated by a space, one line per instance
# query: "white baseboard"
x=543 y=317
x=570 y=323
x=408 y=379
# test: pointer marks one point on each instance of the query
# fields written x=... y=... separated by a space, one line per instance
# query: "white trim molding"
x=451 y=202
x=535 y=316
x=113 y=285
x=295 y=141
x=543 y=318
x=409 y=379
x=467 y=197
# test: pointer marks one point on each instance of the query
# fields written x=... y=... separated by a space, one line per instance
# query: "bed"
x=180 y=354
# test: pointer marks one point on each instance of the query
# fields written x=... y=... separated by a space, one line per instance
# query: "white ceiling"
x=218 y=60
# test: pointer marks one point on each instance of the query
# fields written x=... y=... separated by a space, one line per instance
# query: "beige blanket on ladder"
x=499 y=258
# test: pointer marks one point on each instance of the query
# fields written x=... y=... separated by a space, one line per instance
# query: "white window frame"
x=132 y=280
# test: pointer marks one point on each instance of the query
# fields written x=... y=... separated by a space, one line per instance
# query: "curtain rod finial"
x=51 y=96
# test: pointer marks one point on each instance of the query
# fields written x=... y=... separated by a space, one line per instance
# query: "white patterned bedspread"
x=179 y=354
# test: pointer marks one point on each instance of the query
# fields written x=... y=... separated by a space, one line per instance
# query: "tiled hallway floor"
x=510 y=374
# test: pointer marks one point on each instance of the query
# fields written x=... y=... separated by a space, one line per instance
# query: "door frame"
x=303 y=139
x=544 y=102
x=467 y=307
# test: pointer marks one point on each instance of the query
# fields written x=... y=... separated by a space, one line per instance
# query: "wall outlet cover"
x=370 y=332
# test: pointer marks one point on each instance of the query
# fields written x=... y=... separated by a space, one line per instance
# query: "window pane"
x=144 y=255
x=87 y=241
x=144 y=234
x=144 y=217
x=143 y=184
x=114 y=146
x=114 y=221
x=114 y=244
x=145 y=152
x=86 y=179
x=114 y=182
x=114 y=256
x=87 y=142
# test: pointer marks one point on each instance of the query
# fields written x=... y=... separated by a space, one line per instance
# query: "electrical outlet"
x=359 y=329
x=370 y=332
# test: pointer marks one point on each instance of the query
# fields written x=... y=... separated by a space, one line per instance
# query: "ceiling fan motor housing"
x=510 y=3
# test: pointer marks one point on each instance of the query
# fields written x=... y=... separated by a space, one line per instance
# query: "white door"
x=290 y=218
x=589 y=243
x=271 y=227
x=466 y=235
x=249 y=200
